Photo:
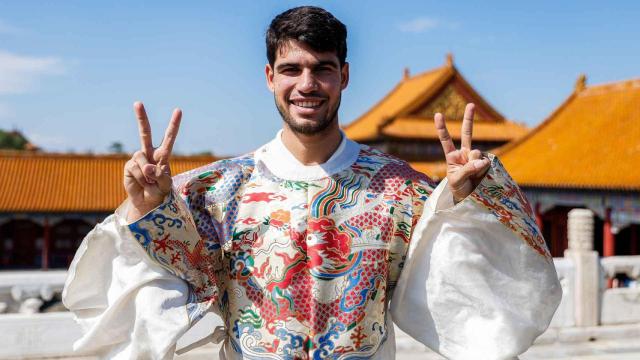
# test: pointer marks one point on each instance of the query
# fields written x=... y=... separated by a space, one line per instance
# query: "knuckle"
x=129 y=165
x=139 y=157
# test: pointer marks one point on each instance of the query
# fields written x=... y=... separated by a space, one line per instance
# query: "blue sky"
x=70 y=70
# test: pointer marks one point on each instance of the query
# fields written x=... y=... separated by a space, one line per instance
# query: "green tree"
x=116 y=147
x=13 y=140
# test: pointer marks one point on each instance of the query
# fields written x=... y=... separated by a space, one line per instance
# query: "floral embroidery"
x=279 y=218
x=499 y=194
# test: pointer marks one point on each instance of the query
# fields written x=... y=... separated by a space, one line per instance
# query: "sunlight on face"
x=307 y=85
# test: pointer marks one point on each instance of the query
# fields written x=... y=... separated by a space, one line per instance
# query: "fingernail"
x=479 y=164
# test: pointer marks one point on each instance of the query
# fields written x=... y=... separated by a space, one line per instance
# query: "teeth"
x=307 y=104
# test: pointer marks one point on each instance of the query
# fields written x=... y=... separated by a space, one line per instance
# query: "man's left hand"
x=465 y=167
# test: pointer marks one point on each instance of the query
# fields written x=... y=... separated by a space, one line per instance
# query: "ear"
x=268 y=70
x=345 y=76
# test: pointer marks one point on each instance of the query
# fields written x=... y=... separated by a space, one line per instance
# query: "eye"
x=324 y=69
x=289 y=70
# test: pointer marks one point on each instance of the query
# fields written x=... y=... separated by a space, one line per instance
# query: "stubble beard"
x=309 y=128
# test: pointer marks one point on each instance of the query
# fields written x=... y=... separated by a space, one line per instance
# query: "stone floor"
x=611 y=353
x=609 y=343
x=603 y=350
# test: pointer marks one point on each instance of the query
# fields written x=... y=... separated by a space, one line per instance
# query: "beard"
x=312 y=128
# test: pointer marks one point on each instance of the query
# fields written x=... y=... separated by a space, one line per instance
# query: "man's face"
x=306 y=86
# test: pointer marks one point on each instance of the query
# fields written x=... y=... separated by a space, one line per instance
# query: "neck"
x=312 y=149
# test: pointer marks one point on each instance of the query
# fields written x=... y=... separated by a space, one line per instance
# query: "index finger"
x=144 y=129
x=467 y=126
x=443 y=134
x=172 y=131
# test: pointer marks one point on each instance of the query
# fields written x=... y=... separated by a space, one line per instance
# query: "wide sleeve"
x=478 y=281
x=136 y=288
x=188 y=250
x=128 y=306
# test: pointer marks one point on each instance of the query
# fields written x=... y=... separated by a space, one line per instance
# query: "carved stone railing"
x=25 y=291
x=621 y=305
x=628 y=265
x=564 y=316
x=585 y=278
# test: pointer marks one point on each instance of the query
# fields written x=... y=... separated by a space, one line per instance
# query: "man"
x=314 y=246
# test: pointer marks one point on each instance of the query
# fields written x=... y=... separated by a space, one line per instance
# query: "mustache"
x=310 y=95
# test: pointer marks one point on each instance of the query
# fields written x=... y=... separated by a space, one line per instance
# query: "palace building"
x=401 y=123
x=585 y=154
x=581 y=156
x=49 y=202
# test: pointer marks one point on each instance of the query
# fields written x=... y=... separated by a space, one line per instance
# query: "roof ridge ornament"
x=449 y=59
x=405 y=73
x=581 y=83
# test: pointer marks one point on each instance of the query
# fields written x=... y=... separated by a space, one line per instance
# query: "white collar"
x=279 y=160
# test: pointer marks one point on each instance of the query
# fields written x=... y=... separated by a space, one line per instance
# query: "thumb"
x=483 y=166
x=163 y=177
x=148 y=170
x=473 y=168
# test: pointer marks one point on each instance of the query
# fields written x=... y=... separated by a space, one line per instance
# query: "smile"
x=307 y=104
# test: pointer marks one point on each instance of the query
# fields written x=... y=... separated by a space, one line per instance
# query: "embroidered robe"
x=314 y=262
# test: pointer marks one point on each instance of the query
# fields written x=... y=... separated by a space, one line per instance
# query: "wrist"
x=136 y=212
x=134 y=215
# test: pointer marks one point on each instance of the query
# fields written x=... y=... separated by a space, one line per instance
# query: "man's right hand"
x=147 y=175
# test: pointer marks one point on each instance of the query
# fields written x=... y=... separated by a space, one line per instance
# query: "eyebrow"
x=316 y=65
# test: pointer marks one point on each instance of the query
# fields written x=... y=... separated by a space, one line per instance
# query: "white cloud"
x=20 y=73
x=418 y=25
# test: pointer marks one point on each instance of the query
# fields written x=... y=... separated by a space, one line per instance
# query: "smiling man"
x=314 y=246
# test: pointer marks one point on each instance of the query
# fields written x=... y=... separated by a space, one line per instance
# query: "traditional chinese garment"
x=314 y=262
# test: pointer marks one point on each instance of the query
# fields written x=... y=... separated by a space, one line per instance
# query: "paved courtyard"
x=597 y=350
x=408 y=349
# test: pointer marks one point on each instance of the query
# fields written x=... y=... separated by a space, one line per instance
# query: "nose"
x=308 y=82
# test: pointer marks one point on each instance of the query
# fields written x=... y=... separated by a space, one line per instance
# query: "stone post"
x=587 y=267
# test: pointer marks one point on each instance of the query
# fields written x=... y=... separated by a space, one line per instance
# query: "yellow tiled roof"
x=400 y=113
x=424 y=128
x=405 y=94
x=44 y=182
x=436 y=170
x=591 y=141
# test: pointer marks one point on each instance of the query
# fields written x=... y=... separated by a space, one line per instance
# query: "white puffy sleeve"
x=478 y=281
x=136 y=288
x=128 y=306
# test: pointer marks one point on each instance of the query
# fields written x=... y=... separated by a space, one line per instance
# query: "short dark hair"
x=311 y=25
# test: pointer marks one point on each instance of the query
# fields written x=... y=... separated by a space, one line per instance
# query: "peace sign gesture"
x=465 y=167
x=147 y=175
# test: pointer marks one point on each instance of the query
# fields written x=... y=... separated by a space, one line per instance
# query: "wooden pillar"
x=46 y=244
x=539 y=217
x=609 y=243
x=634 y=239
